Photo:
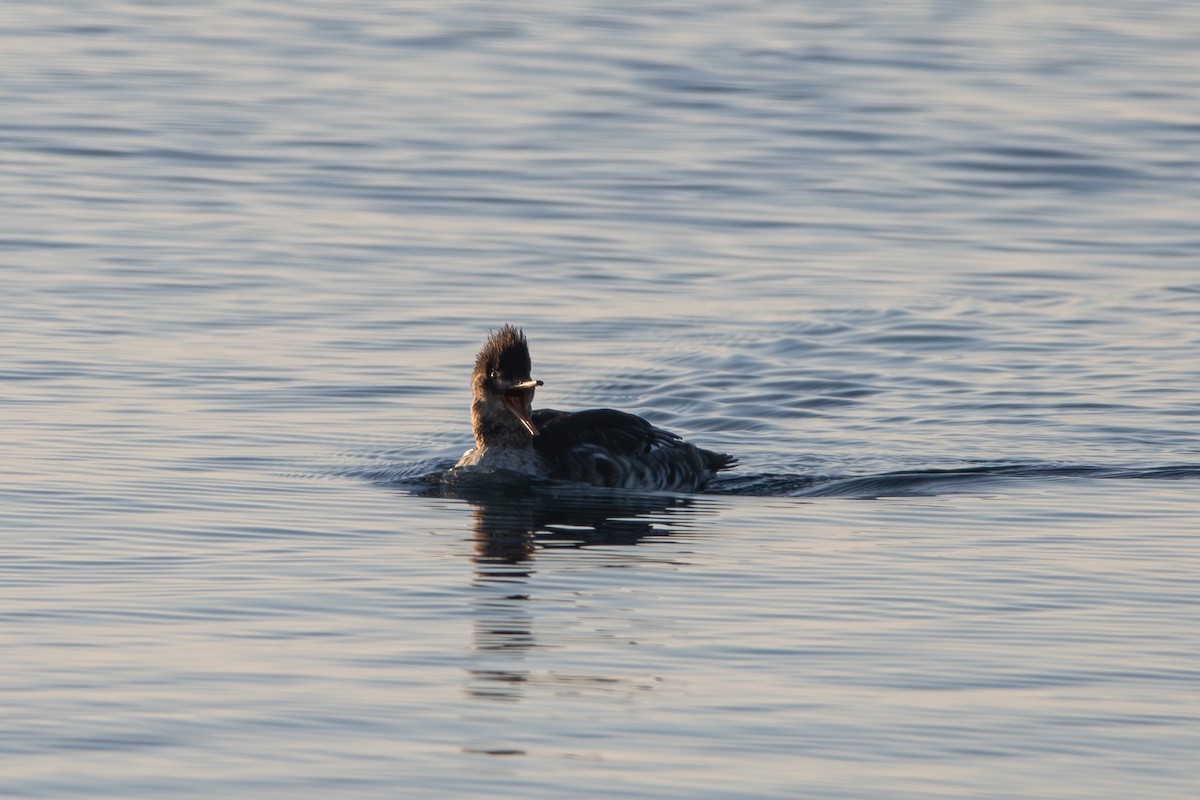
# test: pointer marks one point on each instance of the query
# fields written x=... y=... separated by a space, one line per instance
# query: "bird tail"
x=718 y=461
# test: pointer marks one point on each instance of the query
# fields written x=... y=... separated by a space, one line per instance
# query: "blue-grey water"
x=930 y=269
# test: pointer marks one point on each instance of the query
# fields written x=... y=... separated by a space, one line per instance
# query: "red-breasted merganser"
x=601 y=447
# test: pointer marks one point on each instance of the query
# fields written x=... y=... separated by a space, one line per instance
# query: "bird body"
x=602 y=447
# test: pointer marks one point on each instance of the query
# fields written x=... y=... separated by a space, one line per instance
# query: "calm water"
x=930 y=270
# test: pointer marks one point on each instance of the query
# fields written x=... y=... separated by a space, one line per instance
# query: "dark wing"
x=611 y=448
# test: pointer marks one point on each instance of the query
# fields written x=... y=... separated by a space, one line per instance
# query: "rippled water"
x=929 y=269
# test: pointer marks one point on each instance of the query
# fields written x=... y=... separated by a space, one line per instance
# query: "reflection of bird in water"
x=511 y=523
x=513 y=519
x=601 y=447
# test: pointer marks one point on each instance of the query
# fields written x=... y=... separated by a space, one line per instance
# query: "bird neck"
x=495 y=426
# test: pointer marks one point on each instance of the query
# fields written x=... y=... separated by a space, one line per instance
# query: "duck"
x=602 y=447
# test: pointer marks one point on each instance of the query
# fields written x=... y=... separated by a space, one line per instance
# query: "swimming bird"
x=602 y=447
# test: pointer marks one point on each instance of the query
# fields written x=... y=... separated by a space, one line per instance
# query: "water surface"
x=928 y=270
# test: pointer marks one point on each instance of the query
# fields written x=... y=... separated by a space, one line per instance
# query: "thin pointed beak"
x=525 y=386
